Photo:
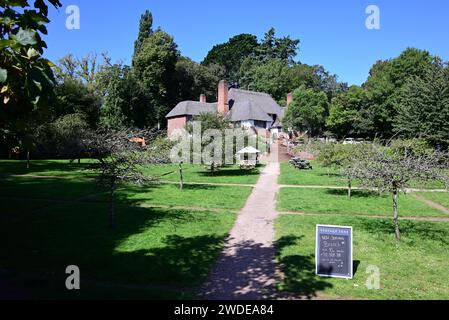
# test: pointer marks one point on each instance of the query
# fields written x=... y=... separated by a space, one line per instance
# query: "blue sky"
x=332 y=32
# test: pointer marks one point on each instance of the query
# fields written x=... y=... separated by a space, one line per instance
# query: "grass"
x=198 y=173
x=441 y=198
x=54 y=215
x=321 y=176
x=415 y=268
x=333 y=201
x=168 y=172
x=167 y=247
x=46 y=168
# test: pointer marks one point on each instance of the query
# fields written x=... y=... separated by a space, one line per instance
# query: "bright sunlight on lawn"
x=362 y=203
x=321 y=176
x=164 y=244
x=415 y=268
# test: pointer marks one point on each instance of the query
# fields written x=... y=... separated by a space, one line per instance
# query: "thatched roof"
x=191 y=108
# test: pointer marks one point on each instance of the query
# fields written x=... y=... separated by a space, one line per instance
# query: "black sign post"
x=333 y=254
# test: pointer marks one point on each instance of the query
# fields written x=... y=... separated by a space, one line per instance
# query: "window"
x=260 y=124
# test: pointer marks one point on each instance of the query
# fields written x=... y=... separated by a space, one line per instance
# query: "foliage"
x=345 y=116
x=423 y=106
x=145 y=31
x=121 y=160
x=231 y=55
x=392 y=170
x=154 y=67
x=307 y=111
x=269 y=77
x=194 y=79
x=63 y=138
x=72 y=96
x=26 y=78
x=384 y=84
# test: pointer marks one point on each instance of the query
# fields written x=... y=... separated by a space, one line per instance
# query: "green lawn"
x=61 y=218
x=46 y=168
x=198 y=173
x=320 y=176
x=219 y=197
x=415 y=268
x=149 y=247
x=441 y=198
x=167 y=172
x=333 y=201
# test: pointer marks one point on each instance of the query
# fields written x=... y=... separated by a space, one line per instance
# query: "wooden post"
x=28 y=158
x=181 y=178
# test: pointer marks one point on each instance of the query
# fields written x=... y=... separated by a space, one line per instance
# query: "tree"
x=384 y=84
x=423 y=107
x=145 y=31
x=26 y=78
x=208 y=121
x=119 y=160
x=392 y=170
x=72 y=96
x=126 y=101
x=345 y=113
x=271 y=47
x=270 y=77
x=231 y=55
x=194 y=79
x=307 y=111
x=154 y=67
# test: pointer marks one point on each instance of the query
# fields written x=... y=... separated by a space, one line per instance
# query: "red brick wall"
x=176 y=123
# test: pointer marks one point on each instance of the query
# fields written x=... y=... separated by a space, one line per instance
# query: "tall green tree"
x=384 y=84
x=145 y=31
x=345 y=113
x=231 y=54
x=307 y=112
x=270 y=77
x=194 y=79
x=423 y=106
x=154 y=67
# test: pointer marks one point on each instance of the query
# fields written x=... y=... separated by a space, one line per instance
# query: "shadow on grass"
x=41 y=166
x=420 y=230
x=354 y=194
x=299 y=270
x=148 y=248
x=230 y=173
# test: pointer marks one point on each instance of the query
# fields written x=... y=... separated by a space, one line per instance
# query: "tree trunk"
x=349 y=189
x=395 y=215
x=111 y=209
x=79 y=161
x=181 y=177
x=28 y=159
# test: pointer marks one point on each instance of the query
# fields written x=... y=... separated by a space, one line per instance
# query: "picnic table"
x=301 y=164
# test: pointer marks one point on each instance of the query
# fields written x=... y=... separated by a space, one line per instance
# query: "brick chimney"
x=289 y=98
x=203 y=98
x=223 y=101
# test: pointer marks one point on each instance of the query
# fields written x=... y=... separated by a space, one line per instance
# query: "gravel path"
x=246 y=268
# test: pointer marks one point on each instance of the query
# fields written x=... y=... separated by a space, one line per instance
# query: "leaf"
x=25 y=37
x=3 y=75
x=5 y=43
x=4 y=89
